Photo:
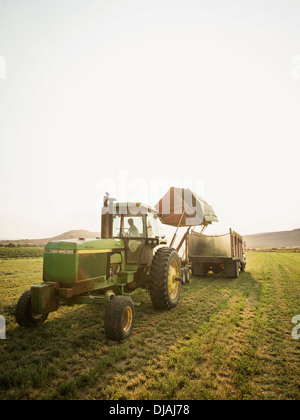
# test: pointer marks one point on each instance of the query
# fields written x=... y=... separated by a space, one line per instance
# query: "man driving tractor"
x=133 y=230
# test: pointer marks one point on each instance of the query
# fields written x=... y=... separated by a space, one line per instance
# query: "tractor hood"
x=80 y=245
x=181 y=207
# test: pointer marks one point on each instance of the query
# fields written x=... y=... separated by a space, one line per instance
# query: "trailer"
x=199 y=253
x=220 y=253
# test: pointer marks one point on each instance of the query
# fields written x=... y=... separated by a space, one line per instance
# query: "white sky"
x=140 y=95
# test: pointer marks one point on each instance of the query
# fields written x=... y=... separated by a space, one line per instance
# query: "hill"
x=289 y=238
x=71 y=234
x=259 y=240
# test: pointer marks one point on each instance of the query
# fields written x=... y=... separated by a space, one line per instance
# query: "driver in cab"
x=133 y=230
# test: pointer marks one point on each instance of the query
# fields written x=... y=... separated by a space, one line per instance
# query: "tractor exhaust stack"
x=105 y=218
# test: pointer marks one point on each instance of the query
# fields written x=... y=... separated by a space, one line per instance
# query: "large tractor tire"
x=119 y=318
x=24 y=316
x=165 y=280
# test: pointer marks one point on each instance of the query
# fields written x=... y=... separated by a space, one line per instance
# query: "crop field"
x=21 y=252
x=226 y=339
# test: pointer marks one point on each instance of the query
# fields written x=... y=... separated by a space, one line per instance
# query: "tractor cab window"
x=116 y=230
x=128 y=226
x=153 y=226
x=133 y=226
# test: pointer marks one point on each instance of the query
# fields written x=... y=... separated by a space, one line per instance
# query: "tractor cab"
x=139 y=226
x=135 y=220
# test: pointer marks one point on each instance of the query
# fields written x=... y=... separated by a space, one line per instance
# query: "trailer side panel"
x=209 y=246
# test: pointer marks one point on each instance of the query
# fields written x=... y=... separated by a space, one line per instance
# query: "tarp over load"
x=181 y=207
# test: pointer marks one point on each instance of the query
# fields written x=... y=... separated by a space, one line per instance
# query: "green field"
x=226 y=339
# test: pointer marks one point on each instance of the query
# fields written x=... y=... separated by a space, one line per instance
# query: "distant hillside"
x=71 y=234
x=289 y=238
x=260 y=240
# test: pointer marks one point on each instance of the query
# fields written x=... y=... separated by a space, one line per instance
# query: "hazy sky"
x=135 y=96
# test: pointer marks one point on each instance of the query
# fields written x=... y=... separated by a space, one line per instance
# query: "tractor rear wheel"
x=24 y=315
x=119 y=318
x=165 y=279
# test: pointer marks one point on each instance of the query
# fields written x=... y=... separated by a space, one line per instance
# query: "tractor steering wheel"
x=124 y=232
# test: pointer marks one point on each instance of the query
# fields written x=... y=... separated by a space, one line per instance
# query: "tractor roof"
x=133 y=208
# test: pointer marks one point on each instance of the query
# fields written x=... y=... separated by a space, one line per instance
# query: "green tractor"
x=131 y=253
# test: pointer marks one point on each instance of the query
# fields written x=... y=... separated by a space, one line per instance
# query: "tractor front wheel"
x=24 y=315
x=119 y=318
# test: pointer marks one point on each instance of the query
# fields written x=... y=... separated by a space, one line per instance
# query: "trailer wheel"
x=232 y=269
x=188 y=275
x=216 y=269
x=165 y=279
x=24 y=316
x=185 y=273
x=200 y=270
x=119 y=318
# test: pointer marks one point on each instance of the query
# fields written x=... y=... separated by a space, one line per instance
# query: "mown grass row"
x=227 y=339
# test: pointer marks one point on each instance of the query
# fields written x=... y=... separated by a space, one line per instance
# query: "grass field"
x=226 y=339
